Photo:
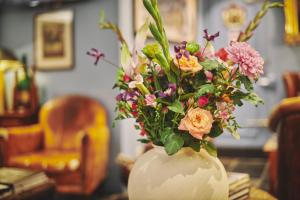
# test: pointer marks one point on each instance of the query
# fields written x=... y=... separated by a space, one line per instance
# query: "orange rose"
x=197 y=122
x=190 y=64
x=226 y=98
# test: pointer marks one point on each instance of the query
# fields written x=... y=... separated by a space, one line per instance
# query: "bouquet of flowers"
x=183 y=99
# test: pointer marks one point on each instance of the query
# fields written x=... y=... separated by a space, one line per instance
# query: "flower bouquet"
x=184 y=98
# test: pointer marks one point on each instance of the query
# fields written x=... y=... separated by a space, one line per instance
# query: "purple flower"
x=162 y=94
x=172 y=86
x=210 y=37
x=119 y=97
x=169 y=91
x=96 y=54
x=127 y=96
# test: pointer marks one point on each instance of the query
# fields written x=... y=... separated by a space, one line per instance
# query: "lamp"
x=8 y=61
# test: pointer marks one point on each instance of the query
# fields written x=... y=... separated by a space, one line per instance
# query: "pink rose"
x=197 y=122
x=202 y=101
x=209 y=75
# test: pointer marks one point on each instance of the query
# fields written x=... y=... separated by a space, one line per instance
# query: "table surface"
x=45 y=191
x=255 y=194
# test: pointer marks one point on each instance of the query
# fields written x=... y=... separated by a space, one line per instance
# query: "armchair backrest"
x=292 y=83
x=285 y=119
x=66 y=119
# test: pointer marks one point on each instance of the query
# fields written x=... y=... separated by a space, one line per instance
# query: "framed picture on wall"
x=179 y=17
x=292 y=21
x=53 y=40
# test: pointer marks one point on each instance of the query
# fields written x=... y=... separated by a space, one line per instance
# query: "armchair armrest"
x=19 y=140
x=287 y=107
x=94 y=157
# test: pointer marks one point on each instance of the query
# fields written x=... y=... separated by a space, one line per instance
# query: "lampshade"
x=8 y=60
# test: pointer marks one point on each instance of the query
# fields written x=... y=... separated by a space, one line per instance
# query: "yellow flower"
x=190 y=64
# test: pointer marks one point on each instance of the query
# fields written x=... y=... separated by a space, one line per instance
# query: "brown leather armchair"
x=70 y=144
x=285 y=120
x=292 y=83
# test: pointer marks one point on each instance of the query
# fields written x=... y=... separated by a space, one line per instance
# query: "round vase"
x=186 y=175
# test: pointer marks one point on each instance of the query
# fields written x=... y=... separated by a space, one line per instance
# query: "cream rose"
x=197 y=122
x=190 y=64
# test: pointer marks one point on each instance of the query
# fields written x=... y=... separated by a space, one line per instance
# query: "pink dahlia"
x=249 y=61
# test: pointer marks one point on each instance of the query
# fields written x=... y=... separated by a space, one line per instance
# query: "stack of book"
x=239 y=186
x=15 y=181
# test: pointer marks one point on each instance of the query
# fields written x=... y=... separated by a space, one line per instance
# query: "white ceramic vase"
x=187 y=175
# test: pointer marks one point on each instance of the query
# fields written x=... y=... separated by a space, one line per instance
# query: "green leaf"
x=196 y=146
x=156 y=34
x=216 y=130
x=190 y=141
x=254 y=99
x=210 y=64
x=237 y=96
x=205 y=89
x=149 y=7
x=151 y=49
x=176 y=107
x=192 y=47
x=165 y=134
x=247 y=83
x=211 y=149
x=162 y=61
x=143 y=140
x=233 y=131
x=137 y=127
x=173 y=144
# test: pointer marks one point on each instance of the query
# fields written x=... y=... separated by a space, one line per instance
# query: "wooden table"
x=18 y=119
x=255 y=194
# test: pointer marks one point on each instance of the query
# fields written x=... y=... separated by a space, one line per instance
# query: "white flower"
x=138 y=79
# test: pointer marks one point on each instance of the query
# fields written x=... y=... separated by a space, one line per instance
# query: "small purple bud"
x=176 y=48
x=179 y=55
x=186 y=54
x=183 y=45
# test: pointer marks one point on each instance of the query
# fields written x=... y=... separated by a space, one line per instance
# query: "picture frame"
x=179 y=17
x=292 y=22
x=53 y=40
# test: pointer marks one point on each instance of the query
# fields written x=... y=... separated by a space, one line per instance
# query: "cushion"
x=50 y=161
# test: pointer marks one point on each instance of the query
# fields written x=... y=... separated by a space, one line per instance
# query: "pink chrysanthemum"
x=249 y=61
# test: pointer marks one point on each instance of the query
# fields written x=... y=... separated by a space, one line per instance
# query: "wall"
x=16 y=30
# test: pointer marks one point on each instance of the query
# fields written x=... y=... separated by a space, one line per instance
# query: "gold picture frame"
x=53 y=40
x=292 y=22
x=179 y=16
